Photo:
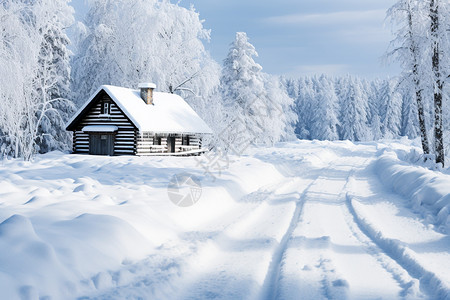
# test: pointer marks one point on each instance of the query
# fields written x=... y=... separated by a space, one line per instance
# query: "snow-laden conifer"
x=325 y=109
x=258 y=110
x=391 y=109
x=354 y=107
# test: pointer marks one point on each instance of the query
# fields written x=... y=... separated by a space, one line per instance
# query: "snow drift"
x=428 y=191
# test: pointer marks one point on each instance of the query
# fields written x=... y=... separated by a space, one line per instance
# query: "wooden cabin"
x=123 y=121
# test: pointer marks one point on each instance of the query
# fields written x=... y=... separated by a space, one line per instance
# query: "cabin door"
x=171 y=144
x=101 y=144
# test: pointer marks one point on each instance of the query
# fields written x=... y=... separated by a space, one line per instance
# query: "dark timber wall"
x=125 y=137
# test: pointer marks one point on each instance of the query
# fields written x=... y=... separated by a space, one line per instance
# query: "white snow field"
x=301 y=220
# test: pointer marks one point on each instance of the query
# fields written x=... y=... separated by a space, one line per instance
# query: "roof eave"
x=70 y=123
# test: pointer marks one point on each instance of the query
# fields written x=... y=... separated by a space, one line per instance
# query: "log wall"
x=125 y=137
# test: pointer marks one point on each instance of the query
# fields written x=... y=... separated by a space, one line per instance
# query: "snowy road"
x=302 y=242
x=307 y=220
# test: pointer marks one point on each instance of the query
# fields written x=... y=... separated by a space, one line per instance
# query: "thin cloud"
x=330 y=69
x=341 y=17
x=365 y=35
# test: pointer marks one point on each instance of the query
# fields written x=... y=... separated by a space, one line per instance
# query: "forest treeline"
x=124 y=42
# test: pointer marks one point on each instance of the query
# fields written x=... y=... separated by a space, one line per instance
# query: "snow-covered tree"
x=373 y=93
x=257 y=109
x=16 y=52
x=407 y=49
x=241 y=86
x=280 y=119
x=33 y=56
x=303 y=107
x=354 y=107
x=124 y=42
x=291 y=86
x=391 y=109
x=423 y=33
x=410 y=123
x=437 y=36
x=52 y=81
x=324 y=114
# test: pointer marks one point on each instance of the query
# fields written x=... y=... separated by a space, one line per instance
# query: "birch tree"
x=407 y=14
x=422 y=49
x=436 y=36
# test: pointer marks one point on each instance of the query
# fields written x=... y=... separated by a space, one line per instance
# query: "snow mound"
x=25 y=258
x=80 y=247
x=428 y=191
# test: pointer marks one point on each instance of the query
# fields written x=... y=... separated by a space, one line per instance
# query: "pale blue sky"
x=300 y=37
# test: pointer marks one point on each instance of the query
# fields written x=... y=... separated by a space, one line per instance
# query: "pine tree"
x=410 y=127
x=324 y=121
x=391 y=114
x=258 y=110
x=280 y=118
x=303 y=107
x=354 y=107
x=291 y=86
x=241 y=86
x=373 y=115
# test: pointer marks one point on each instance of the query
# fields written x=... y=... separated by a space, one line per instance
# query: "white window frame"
x=106 y=108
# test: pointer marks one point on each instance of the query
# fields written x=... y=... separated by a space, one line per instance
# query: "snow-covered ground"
x=303 y=220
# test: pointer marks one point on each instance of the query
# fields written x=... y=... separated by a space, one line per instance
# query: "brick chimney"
x=147 y=91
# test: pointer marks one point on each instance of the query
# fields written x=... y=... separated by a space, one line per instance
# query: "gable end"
x=97 y=100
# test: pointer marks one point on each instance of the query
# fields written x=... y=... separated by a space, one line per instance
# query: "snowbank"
x=72 y=225
x=428 y=191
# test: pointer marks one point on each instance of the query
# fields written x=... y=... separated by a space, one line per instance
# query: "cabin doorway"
x=171 y=144
x=101 y=144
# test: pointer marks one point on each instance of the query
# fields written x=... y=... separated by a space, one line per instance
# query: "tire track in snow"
x=214 y=273
x=408 y=283
x=430 y=284
x=266 y=195
x=401 y=275
x=153 y=277
x=270 y=287
x=331 y=283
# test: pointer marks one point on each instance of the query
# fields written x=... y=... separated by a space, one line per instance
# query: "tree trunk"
x=438 y=85
x=421 y=113
x=418 y=90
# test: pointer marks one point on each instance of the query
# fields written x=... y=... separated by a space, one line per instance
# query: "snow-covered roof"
x=169 y=113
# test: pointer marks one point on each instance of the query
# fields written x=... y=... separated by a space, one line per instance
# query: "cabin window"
x=157 y=140
x=185 y=140
x=106 y=108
